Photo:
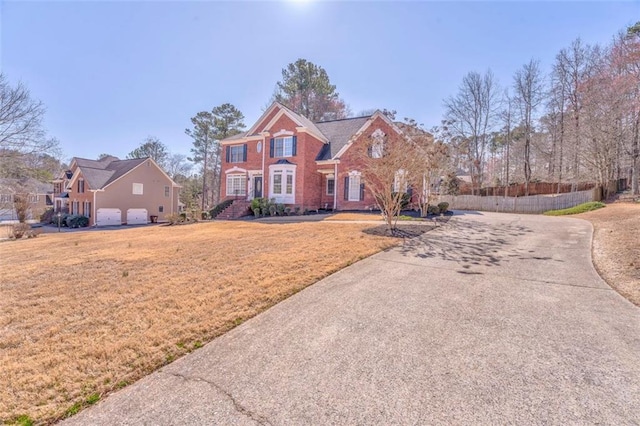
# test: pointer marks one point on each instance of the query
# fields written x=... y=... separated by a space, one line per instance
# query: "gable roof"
x=339 y=132
x=100 y=173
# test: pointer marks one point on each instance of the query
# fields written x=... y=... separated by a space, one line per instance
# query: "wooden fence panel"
x=531 y=204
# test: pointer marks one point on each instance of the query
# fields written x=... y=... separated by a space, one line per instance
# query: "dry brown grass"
x=86 y=313
x=616 y=246
x=355 y=216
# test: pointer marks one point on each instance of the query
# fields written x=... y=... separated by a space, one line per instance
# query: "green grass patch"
x=580 y=208
x=23 y=420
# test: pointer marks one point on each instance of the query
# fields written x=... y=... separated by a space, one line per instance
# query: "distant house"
x=111 y=191
x=286 y=157
x=39 y=195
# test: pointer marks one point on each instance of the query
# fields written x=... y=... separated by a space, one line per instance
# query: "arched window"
x=377 y=144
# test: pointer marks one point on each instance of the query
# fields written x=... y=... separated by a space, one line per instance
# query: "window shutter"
x=346 y=188
x=294 y=146
x=370 y=151
x=410 y=192
x=228 y=153
x=361 y=191
x=271 y=146
x=244 y=152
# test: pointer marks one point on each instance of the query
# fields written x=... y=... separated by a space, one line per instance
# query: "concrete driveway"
x=491 y=319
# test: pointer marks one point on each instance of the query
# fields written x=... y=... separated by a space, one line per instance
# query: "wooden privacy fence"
x=531 y=204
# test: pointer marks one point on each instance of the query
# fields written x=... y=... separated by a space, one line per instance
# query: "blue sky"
x=110 y=73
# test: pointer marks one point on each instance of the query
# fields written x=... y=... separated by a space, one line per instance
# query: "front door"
x=257 y=187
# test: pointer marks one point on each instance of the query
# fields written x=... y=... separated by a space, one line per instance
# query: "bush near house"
x=76 y=221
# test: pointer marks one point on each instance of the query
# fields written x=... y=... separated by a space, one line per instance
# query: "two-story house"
x=286 y=157
x=111 y=191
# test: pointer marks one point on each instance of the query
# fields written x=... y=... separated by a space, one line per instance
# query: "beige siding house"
x=113 y=191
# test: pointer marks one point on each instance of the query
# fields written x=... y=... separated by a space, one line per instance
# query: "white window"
x=75 y=207
x=80 y=186
x=331 y=186
x=283 y=147
x=33 y=198
x=282 y=179
x=354 y=186
x=167 y=191
x=236 y=185
x=277 y=182
x=86 y=208
x=400 y=181
x=137 y=189
x=377 y=145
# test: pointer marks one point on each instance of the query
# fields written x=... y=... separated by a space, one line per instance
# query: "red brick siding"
x=349 y=162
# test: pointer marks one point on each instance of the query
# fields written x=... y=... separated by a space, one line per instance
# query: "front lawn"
x=83 y=314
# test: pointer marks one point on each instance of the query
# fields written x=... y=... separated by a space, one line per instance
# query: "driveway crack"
x=237 y=405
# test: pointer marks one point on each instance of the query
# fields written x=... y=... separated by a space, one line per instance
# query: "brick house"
x=286 y=157
x=111 y=191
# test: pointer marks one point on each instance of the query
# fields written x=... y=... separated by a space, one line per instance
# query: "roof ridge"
x=344 y=119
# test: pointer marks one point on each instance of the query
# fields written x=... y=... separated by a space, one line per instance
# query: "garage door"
x=107 y=217
x=137 y=216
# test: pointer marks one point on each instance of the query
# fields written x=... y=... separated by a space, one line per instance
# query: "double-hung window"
x=331 y=186
x=236 y=153
x=283 y=147
x=354 y=187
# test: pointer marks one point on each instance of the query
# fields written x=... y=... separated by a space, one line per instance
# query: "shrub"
x=405 y=198
x=19 y=230
x=63 y=219
x=443 y=207
x=173 y=218
x=76 y=221
x=280 y=209
x=433 y=209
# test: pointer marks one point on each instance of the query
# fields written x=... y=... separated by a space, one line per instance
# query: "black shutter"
x=228 y=153
x=370 y=151
x=346 y=188
x=271 y=145
x=410 y=192
x=244 y=152
x=361 y=191
x=294 y=146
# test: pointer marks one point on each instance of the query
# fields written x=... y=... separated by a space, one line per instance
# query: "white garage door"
x=136 y=216
x=107 y=217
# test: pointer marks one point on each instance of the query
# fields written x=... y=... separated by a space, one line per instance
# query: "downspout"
x=335 y=186
x=94 y=208
x=264 y=148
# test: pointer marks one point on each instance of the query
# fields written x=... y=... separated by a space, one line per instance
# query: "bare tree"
x=393 y=163
x=529 y=92
x=177 y=165
x=21 y=130
x=472 y=114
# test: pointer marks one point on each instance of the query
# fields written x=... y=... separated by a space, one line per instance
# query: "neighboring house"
x=286 y=157
x=113 y=191
x=39 y=194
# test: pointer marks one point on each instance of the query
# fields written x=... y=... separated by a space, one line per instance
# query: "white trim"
x=236 y=169
x=283 y=132
x=243 y=178
x=250 y=189
x=241 y=140
x=287 y=170
x=278 y=116
x=352 y=175
x=269 y=110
